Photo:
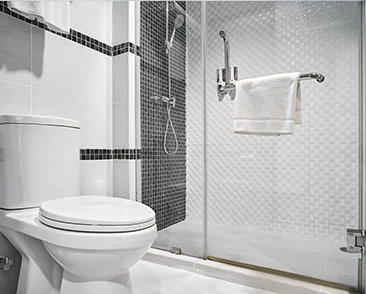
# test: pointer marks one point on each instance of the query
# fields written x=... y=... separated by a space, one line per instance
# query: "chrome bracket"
x=176 y=250
x=356 y=241
x=224 y=87
x=6 y=263
x=226 y=77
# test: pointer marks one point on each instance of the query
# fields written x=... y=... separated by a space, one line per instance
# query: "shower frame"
x=362 y=152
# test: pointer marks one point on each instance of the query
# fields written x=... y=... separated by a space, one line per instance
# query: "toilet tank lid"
x=38 y=120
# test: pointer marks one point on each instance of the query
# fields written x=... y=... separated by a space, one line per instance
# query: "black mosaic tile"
x=109 y=154
x=163 y=177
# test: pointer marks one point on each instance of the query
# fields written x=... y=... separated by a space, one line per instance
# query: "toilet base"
x=39 y=272
x=118 y=284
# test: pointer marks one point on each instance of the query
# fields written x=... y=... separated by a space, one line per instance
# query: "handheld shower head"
x=179 y=21
x=223 y=35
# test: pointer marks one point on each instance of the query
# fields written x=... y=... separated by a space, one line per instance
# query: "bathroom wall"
x=87 y=75
x=126 y=107
x=37 y=77
x=163 y=177
x=305 y=184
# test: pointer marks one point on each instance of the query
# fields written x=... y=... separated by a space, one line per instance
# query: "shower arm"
x=226 y=77
x=226 y=55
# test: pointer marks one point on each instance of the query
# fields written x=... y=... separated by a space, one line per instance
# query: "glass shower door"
x=284 y=203
x=171 y=69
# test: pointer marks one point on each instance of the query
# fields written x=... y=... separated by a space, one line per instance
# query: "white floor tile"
x=140 y=289
x=162 y=278
x=205 y=285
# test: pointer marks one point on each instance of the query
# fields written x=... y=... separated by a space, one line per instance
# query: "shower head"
x=179 y=21
x=223 y=35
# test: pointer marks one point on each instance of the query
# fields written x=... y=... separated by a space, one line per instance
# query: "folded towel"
x=55 y=14
x=269 y=105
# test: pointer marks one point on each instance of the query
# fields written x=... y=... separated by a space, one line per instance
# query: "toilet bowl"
x=89 y=252
x=69 y=243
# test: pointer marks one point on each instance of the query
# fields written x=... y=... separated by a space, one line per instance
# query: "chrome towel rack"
x=228 y=76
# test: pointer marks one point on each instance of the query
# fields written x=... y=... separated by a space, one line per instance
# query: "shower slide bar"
x=228 y=76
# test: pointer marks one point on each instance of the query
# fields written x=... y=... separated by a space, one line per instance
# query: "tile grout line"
x=325 y=266
x=72 y=95
x=231 y=243
x=31 y=72
x=193 y=274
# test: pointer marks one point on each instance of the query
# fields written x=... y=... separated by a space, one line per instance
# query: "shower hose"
x=169 y=122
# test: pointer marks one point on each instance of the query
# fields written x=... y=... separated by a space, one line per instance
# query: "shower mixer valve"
x=164 y=99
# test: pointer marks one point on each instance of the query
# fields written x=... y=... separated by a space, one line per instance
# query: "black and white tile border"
x=78 y=37
x=125 y=47
x=109 y=154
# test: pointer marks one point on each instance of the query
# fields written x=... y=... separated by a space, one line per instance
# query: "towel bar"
x=313 y=75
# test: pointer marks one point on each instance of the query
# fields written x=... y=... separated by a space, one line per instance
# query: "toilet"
x=68 y=243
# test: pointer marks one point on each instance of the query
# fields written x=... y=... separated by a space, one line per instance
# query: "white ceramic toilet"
x=69 y=243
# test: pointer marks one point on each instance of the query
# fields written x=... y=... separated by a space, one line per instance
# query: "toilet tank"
x=39 y=160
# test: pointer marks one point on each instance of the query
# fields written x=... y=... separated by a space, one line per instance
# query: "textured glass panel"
x=164 y=177
x=284 y=202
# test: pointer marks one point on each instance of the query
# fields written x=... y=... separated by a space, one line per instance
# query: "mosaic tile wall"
x=305 y=184
x=163 y=177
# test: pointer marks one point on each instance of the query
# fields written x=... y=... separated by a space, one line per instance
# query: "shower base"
x=313 y=258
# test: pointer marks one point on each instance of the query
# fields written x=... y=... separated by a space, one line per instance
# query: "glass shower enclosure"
x=280 y=204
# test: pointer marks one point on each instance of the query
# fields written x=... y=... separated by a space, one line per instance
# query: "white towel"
x=269 y=105
x=55 y=14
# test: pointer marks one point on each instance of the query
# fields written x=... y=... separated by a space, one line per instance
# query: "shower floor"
x=314 y=258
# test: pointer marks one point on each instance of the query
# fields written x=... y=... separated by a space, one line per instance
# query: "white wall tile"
x=125 y=108
x=76 y=69
x=15 y=50
x=123 y=77
x=92 y=18
x=121 y=125
x=126 y=22
x=96 y=177
x=120 y=22
x=15 y=98
x=124 y=179
x=95 y=116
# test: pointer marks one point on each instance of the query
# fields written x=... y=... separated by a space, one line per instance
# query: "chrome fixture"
x=356 y=241
x=6 y=263
x=170 y=100
x=179 y=21
x=313 y=75
x=226 y=77
x=163 y=99
x=176 y=250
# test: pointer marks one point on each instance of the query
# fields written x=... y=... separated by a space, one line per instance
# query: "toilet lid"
x=96 y=214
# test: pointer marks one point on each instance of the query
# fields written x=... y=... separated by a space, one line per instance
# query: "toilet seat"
x=96 y=214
